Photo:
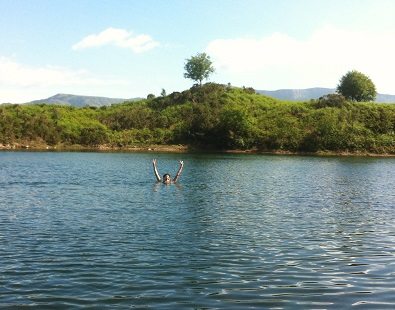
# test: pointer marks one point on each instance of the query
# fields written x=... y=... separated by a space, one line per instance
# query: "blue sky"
x=128 y=49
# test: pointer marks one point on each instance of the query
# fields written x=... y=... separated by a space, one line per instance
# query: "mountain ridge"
x=314 y=93
x=79 y=100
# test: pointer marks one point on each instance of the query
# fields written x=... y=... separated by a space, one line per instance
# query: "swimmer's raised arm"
x=179 y=171
x=156 y=170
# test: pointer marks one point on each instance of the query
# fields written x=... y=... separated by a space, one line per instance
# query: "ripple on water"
x=91 y=230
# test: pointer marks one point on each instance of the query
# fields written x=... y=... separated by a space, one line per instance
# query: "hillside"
x=313 y=93
x=210 y=117
x=79 y=101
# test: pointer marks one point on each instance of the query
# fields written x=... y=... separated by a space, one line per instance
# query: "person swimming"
x=166 y=177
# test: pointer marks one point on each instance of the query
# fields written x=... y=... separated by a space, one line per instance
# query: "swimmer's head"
x=166 y=178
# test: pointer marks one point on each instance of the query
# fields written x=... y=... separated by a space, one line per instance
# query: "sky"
x=131 y=48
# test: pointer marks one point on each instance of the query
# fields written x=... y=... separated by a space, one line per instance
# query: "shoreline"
x=179 y=148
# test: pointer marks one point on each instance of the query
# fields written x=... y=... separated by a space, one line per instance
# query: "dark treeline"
x=212 y=116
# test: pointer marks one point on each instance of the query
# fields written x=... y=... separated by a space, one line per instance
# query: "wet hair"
x=165 y=175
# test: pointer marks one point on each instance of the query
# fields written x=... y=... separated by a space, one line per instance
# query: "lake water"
x=80 y=230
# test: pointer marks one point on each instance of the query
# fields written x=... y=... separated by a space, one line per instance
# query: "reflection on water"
x=238 y=231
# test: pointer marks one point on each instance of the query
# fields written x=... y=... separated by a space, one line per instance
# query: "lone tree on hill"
x=356 y=86
x=198 y=67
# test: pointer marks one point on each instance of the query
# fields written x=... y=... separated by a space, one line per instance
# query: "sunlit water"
x=239 y=231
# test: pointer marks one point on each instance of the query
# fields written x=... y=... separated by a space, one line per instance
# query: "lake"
x=94 y=230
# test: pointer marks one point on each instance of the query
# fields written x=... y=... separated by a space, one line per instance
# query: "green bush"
x=331 y=100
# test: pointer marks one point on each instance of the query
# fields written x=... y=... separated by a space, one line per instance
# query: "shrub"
x=331 y=100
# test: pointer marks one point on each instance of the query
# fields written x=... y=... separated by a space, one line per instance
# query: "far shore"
x=178 y=148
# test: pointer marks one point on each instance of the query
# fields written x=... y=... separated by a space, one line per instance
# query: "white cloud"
x=118 y=37
x=21 y=83
x=280 y=61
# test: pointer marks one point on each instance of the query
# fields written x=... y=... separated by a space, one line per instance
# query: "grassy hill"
x=211 y=117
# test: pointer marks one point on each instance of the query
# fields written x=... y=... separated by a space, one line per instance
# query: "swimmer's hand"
x=179 y=171
x=156 y=170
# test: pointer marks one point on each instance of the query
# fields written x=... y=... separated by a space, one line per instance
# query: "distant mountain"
x=385 y=98
x=297 y=94
x=313 y=93
x=80 y=101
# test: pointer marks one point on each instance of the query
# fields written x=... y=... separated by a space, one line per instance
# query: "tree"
x=198 y=67
x=356 y=86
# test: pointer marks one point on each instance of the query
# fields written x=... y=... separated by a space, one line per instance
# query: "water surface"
x=239 y=231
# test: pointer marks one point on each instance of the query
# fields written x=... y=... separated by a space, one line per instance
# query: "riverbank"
x=34 y=146
x=178 y=148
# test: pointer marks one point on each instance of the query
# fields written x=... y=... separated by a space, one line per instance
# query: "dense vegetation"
x=211 y=116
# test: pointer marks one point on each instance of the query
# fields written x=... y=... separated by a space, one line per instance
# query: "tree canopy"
x=356 y=86
x=198 y=67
